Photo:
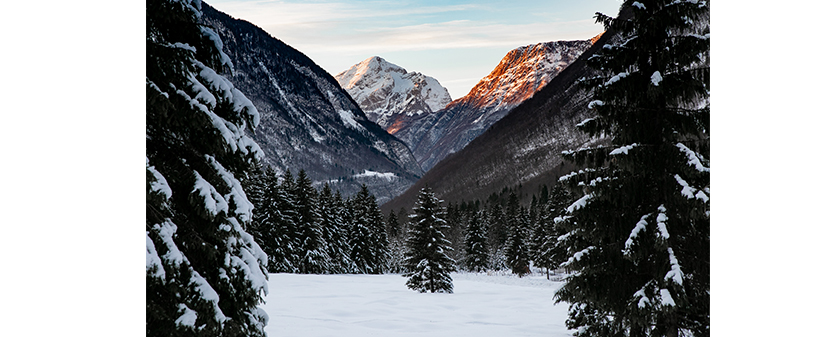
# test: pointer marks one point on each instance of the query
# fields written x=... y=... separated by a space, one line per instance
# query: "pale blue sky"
x=456 y=42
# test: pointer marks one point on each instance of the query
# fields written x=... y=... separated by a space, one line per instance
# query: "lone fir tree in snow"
x=639 y=233
x=205 y=274
x=427 y=262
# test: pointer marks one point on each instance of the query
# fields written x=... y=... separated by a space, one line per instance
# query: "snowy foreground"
x=381 y=305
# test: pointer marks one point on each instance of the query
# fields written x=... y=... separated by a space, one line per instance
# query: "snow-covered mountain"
x=307 y=120
x=388 y=93
x=519 y=75
x=521 y=150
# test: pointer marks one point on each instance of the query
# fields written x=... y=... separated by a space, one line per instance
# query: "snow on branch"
x=214 y=202
x=643 y=300
x=209 y=294
x=666 y=298
x=580 y=203
x=188 y=317
x=661 y=219
x=574 y=173
x=639 y=5
x=623 y=149
x=616 y=78
x=244 y=208
x=689 y=192
x=160 y=185
x=675 y=274
x=577 y=256
x=694 y=158
x=591 y=105
x=656 y=78
x=640 y=226
x=152 y=258
x=166 y=231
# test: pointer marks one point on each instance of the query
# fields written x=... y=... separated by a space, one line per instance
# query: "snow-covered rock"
x=387 y=92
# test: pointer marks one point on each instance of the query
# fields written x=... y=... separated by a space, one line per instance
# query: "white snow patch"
x=372 y=174
x=482 y=305
x=640 y=226
x=639 y=5
x=347 y=119
x=656 y=78
x=591 y=105
x=661 y=219
x=152 y=258
x=675 y=274
x=666 y=298
x=623 y=149
x=214 y=202
x=694 y=158
x=577 y=256
x=616 y=78
x=188 y=317
x=160 y=185
x=578 y=204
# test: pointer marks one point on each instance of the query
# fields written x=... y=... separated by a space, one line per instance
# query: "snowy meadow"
x=381 y=305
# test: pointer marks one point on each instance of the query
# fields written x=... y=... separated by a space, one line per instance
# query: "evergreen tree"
x=333 y=231
x=368 y=237
x=288 y=251
x=427 y=262
x=205 y=274
x=516 y=248
x=639 y=233
x=546 y=251
x=313 y=254
x=344 y=209
x=476 y=257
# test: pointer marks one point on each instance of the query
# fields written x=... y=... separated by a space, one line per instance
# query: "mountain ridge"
x=523 y=71
x=307 y=120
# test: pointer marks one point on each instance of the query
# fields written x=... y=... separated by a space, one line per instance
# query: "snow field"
x=381 y=305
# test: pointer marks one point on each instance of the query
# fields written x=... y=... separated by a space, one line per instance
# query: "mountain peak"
x=387 y=93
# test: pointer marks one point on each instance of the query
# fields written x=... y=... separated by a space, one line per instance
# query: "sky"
x=456 y=42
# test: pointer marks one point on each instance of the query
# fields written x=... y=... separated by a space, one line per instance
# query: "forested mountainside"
x=307 y=120
x=523 y=148
x=521 y=73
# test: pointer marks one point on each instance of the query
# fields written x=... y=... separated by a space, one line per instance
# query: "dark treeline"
x=316 y=231
x=309 y=231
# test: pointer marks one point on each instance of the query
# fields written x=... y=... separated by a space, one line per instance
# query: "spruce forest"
x=616 y=237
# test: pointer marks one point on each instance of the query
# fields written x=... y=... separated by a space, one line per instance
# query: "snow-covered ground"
x=381 y=305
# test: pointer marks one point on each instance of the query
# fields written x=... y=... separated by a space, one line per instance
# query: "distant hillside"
x=307 y=120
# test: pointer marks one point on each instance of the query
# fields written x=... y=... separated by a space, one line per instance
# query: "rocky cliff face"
x=388 y=94
x=522 y=72
x=307 y=120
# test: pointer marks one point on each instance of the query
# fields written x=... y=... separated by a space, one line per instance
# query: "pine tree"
x=551 y=251
x=313 y=254
x=287 y=254
x=476 y=257
x=516 y=249
x=205 y=274
x=639 y=233
x=427 y=262
x=368 y=237
x=333 y=230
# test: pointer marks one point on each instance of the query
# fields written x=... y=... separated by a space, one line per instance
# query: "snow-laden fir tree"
x=367 y=234
x=476 y=258
x=639 y=232
x=205 y=274
x=290 y=251
x=427 y=263
x=312 y=249
x=333 y=231
x=516 y=249
x=550 y=251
